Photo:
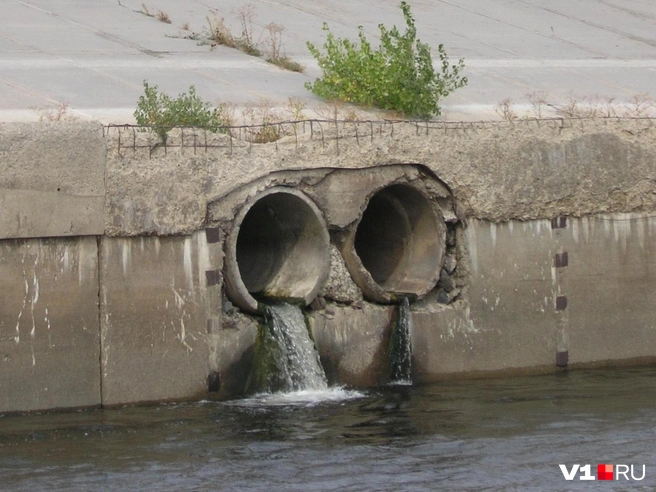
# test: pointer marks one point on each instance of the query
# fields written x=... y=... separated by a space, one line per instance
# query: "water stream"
x=285 y=356
x=400 y=351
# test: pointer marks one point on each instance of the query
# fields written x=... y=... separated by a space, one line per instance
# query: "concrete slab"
x=510 y=285
x=608 y=283
x=353 y=342
x=52 y=181
x=71 y=84
x=49 y=327
x=27 y=213
x=11 y=95
x=94 y=55
x=154 y=321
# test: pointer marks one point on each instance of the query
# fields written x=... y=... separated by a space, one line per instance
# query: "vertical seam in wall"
x=101 y=310
x=101 y=304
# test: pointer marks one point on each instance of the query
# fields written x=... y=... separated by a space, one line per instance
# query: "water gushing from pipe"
x=400 y=348
x=285 y=355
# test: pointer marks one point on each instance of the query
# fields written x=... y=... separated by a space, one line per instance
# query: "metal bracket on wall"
x=559 y=222
x=213 y=235
x=561 y=303
x=561 y=260
x=213 y=277
x=562 y=358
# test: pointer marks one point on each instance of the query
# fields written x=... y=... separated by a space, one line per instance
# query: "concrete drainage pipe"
x=279 y=248
x=397 y=247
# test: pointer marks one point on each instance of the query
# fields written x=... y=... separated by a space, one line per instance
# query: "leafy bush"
x=161 y=112
x=398 y=75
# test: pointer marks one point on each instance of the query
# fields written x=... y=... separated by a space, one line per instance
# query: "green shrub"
x=161 y=112
x=398 y=75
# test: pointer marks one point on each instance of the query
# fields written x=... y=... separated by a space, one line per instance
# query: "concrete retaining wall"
x=52 y=182
x=552 y=268
x=49 y=325
x=154 y=318
x=538 y=297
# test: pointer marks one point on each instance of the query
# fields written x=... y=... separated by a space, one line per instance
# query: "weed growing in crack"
x=538 y=100
x=287 y=64
x=296 y=108
x=246 y=42
x=640 y=105
x=337 y=110
x=578 y=107
x=264 y=119
x=56 y=113
x=505 y=110
x=163 y=17
x=144 y=10
x=219 y=33
x=276 y=51
x=160 y=15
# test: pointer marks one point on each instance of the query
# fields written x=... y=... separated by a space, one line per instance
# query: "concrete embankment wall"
x=112 y=252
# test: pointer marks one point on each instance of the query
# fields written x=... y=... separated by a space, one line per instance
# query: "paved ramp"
x=94 y=54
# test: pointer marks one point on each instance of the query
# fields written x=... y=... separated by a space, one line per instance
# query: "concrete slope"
x=94 y=55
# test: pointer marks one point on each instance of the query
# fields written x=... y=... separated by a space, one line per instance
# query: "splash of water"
x=400 y=348
x=285 y=357
x=303 y=398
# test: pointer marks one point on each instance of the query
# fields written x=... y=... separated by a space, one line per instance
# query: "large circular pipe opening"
x=279 y=248
x=397 y=247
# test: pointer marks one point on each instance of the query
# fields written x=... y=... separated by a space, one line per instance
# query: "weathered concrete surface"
x=508 y=320
x=575 y=167
x=52 y=180
x=28 y=213
x=578 y=167
x=524 y=307
x=154 y=318
x=163 y=331
x=609 y=285
x=340 y=192
x=412 y=215
x=232 y=353
x=343 y=193
x=49 y=327
x=352 y=342
x=339 y=285
x=177 y=205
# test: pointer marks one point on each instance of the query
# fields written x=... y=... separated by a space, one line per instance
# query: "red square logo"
x=605 y=472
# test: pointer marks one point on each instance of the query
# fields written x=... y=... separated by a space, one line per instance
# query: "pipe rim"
x=236 y=288
x=391 y=291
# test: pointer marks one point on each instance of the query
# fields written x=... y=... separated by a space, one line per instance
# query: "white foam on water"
x=401 y=382
x=304 y=398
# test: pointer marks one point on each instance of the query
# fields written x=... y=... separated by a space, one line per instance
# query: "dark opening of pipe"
x=281 y=250
x=275 y=239
x=265 y=236
x=400 y=240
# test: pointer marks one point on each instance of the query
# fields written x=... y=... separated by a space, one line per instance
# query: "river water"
x=489 y=434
